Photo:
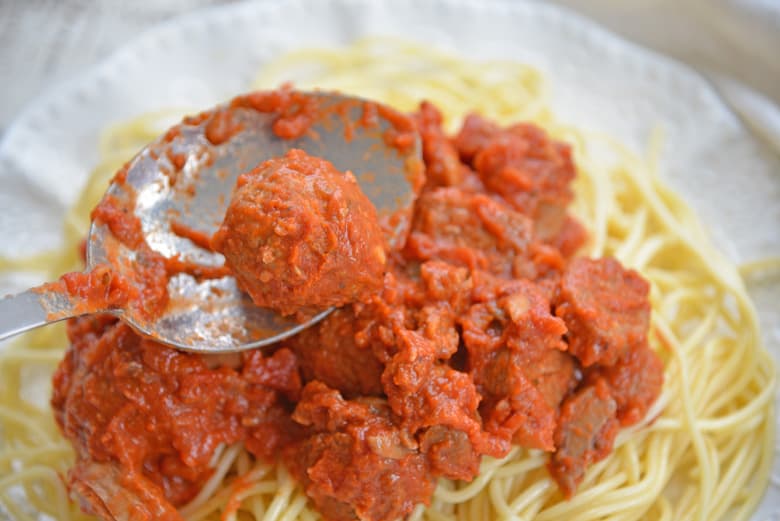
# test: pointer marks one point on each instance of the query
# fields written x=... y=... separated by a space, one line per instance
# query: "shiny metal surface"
x=213 y=315
x=27 y=310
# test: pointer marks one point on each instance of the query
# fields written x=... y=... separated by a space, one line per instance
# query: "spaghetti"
x=704 y=450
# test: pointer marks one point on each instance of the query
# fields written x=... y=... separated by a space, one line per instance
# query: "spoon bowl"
x=178 y=188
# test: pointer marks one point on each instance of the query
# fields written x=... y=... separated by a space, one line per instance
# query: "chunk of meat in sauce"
x=470 y=230
x=635 y=382
x=356 y=464
x=107 y=491
x=524 y=166
x=553 y=373
x=159 y=414
x=513 y=340
x=300 y=236
x=513 y=409
x=450 y=452
x=606 y=309
x=423 y=297
x=514 y=312
x=586 y=431
x=327 y=352
x=424 y=394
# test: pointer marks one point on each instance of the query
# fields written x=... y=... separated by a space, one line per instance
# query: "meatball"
x=300 y=236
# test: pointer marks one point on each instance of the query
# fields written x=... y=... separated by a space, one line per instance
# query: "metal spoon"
x=213 y=315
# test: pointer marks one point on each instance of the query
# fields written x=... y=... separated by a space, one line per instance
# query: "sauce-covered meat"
x=483 y=333
x=522 y=165
x=158 y=414
x=470 y=229
x=634 y=381
x=606 y=310
x=508 y=332
x=329 y=353
x=300 y=236
x=586 y=430
x=355 y=456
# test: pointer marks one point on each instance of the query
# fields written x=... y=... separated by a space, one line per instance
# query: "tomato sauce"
x=116 y=216
x=100 y=289
x=484 y=331
x=221 y=127
x=197 y=237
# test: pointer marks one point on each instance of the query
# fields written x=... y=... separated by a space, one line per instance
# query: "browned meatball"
x=300 y=236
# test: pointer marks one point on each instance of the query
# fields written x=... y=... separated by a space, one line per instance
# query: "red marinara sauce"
x=486 y=332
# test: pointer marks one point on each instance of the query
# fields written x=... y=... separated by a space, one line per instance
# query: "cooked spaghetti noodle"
x=704 y=450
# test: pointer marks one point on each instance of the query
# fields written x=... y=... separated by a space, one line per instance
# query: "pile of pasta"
x=704 y=450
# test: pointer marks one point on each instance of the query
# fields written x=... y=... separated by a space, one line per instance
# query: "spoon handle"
x=33 y=308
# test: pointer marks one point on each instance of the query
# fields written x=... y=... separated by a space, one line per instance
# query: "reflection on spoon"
x=149 y=259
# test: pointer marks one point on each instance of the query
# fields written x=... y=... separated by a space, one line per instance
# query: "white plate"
x=598 y=81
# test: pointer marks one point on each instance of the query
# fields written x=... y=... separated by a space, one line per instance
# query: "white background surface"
x=598 y=81
x=43 y=42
